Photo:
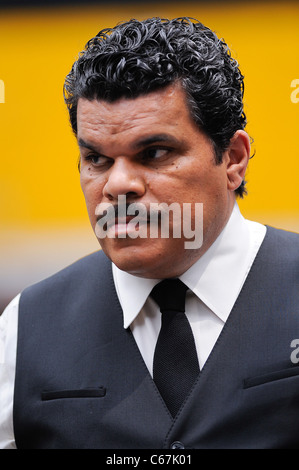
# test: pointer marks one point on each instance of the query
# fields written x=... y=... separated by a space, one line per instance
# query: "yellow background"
x=43 y=219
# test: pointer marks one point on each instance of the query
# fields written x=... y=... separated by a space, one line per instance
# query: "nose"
x=124 y=178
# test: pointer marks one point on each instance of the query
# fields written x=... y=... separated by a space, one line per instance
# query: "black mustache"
x=120 y=210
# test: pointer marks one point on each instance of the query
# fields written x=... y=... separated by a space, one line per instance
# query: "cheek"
x=92 y=191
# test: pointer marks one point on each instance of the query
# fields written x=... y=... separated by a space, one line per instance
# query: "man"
x=156 y=107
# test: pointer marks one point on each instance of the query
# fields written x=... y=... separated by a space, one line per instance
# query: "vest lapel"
x=251 y=344
x=138 y=395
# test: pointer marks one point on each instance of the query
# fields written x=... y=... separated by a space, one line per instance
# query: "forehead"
x=167 y=107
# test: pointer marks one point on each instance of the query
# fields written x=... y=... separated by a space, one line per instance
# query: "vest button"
x=177 y=445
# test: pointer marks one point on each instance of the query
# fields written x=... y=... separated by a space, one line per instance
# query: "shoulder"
x=89 y=270
x=280 y=251
x=283 y=234
x=282 y=239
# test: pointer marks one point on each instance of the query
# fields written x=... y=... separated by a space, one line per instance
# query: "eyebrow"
x=142 y=142
x=153 y=139
x=84 y=144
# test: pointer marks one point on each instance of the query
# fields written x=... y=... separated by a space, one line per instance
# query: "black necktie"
x=175 y=360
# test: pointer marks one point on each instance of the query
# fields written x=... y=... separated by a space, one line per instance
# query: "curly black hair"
x=137 y=57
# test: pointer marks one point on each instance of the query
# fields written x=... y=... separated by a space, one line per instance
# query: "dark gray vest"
x=82 y=383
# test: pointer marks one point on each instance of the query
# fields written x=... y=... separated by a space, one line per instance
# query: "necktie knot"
x=170 y=294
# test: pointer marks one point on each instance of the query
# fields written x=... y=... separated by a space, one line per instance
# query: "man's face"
x=149 y=150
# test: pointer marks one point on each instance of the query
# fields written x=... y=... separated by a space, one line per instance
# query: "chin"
x=152 y=259
x=136 y=266
x=129 y=257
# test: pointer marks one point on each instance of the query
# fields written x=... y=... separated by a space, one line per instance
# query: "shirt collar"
x=132 y=293
x=216 y=278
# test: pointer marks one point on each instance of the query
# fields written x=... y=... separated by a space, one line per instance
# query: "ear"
x=237 y=157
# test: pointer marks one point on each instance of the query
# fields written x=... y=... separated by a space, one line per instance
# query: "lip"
x=124 y=220
x=121 y=227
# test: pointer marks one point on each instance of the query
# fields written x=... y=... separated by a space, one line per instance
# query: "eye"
x=92 y=158
x=155 y=153
x=96 y=160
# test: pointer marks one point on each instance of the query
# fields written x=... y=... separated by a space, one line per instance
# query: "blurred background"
x=43 y=220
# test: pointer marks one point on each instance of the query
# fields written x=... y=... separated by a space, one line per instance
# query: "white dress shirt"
x=215 y=281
